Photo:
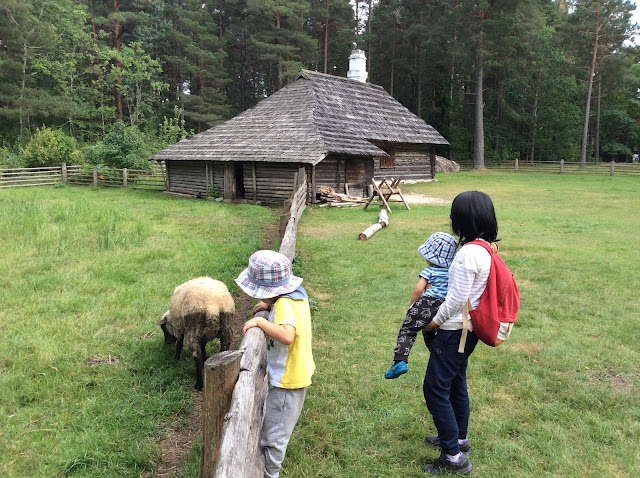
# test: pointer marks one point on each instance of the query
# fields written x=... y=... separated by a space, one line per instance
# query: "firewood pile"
x=327 y=196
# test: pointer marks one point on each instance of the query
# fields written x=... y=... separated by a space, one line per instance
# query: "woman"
x=445 y=382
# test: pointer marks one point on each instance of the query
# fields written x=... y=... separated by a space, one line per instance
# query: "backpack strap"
x=465 y=327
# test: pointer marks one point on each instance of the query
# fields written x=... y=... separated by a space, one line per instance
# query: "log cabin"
x=329 y=130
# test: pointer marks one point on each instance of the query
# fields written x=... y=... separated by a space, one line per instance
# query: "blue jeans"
x=445 y=387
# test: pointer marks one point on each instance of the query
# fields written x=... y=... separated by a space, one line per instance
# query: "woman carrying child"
x=445 y=382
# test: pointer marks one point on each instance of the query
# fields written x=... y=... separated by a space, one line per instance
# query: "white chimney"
x=358 y=65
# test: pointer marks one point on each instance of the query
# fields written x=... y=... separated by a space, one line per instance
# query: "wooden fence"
x=563 y=167
x=235 y=386
x=84 y=175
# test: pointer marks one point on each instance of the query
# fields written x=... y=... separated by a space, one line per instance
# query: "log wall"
x=411 y=163
x=274 y=182
x=187 y=177
x=345 y=175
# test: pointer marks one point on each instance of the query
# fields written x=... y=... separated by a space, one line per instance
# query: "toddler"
x=426 y=297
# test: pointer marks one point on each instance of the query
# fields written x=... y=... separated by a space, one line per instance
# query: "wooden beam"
x=229 y=180
x=255 y=187
x=432 y=161
x=313 y=184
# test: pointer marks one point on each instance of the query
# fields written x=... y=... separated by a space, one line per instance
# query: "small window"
x=387 y=162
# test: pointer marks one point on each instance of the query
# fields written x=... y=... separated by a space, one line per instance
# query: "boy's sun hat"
x=268 y=275
x=439 y=249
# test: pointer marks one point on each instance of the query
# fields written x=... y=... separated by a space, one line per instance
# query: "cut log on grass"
x=383 y=221
x=370 y=231
x=383 y=218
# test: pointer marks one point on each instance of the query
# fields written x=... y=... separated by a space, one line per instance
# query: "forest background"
x=113 y=81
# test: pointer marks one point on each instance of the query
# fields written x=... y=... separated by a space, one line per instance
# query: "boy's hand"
x=261 y=305
x=249 y=324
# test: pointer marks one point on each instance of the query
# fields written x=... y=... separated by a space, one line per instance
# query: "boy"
x=426 y=297
x=289 y=358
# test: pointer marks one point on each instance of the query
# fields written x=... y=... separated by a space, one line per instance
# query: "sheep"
x=201 y=309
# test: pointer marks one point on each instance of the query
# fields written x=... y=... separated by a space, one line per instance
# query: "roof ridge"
x=303 y=73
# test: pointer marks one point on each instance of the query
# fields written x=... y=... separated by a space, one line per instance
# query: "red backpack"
x=499 y=302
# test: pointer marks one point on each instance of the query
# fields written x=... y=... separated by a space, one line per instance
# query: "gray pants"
x=280 y=417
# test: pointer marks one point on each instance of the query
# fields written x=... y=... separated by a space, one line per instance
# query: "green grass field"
x=560 y=398
x=87 y=386
x=87 y=272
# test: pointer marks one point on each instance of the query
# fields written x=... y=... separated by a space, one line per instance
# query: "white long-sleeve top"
x=468 y=276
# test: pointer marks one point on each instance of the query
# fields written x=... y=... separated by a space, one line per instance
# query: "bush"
x=122 y=147
x=10 y=159
x=49 y=148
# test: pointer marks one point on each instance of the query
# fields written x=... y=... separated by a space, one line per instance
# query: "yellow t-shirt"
x=291 y=366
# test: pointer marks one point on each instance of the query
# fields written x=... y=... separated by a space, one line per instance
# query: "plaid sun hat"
x=268 y=275
x=439 y=249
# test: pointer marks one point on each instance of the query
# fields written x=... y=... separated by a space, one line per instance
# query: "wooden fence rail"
x=235 y=386
x=21 y=177
x=84 y=175
x=564 y=167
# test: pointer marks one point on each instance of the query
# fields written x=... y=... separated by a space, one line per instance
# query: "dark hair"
x=473 y=217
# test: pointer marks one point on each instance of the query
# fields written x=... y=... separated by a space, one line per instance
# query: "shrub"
x=10 y=159
x=122 y=147
x=49 y=148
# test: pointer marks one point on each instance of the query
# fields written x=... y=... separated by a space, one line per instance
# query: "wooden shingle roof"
x=314 y=116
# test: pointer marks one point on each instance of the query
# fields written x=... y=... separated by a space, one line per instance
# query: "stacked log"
x=327 y=196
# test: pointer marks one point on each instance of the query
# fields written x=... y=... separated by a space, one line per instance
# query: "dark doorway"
x=239 y=173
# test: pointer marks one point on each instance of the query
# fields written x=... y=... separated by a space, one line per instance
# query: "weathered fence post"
x=561 y=166
x=63 y=171
x=95 y=175
x=240 y=455
x=124 y=177
x=516 y=164
x=220 y=376
x=612 y=168
x=284 y=218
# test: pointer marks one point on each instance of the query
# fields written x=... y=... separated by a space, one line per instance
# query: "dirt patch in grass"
x=416 y=198
x=176 y=446
x=108 y=360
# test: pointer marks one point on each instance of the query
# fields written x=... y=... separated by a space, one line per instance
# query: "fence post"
x=516 y=164
x=220 y=375
x=124 y=177
x=95 y=175
x=561 y=166
x=284 y=218
x=612 y=168
x=63 y=170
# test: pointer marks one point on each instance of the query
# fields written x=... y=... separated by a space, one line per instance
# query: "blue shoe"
x=396 y=370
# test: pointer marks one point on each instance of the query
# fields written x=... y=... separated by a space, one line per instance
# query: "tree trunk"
x=597 y=151
x=478 y=151
x=534 y=123
x=369 y=18
x=393 y=51
x=419 y=85
x=117 y=45
x=279 y=66
x=587 y=108
x=326 y=36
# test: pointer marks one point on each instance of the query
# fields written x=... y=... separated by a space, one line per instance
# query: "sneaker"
x=396 y=370
x=434 y=441
x=443 y=465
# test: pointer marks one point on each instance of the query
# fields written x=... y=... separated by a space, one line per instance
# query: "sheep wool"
x=201 y=310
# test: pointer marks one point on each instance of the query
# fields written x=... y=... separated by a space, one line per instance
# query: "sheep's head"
x=169 y=338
